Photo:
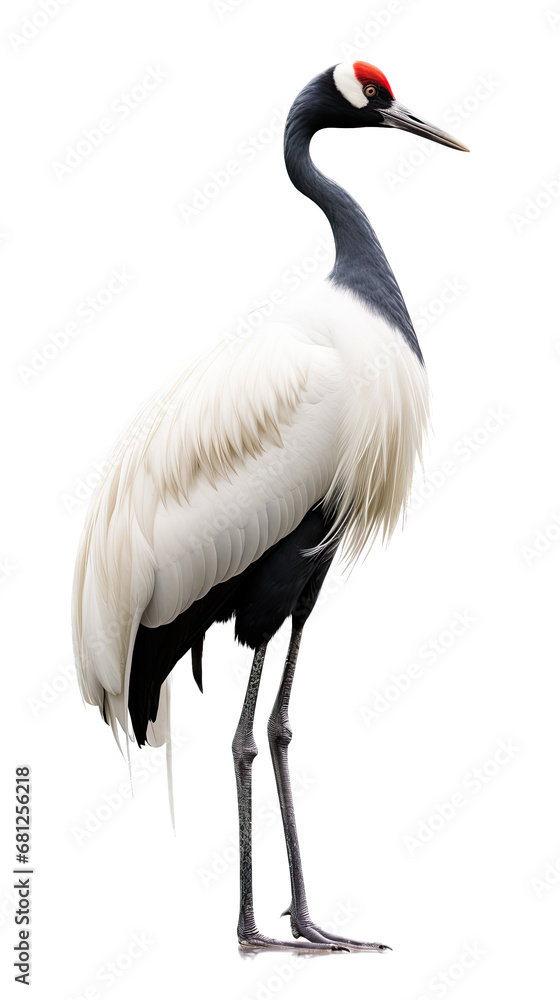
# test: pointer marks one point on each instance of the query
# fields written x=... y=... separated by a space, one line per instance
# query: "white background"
x=481 y=539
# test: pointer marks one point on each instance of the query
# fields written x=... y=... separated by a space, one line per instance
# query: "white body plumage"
x=326 y=401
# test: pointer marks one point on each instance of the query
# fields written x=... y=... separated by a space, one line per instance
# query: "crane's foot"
x=315 y=934
x=257 y=941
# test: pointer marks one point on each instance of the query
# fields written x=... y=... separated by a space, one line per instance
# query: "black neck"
x=360 y=265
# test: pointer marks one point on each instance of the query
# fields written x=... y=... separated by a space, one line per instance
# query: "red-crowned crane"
x=231 y=492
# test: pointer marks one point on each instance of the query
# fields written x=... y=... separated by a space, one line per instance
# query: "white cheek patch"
x=350 y=88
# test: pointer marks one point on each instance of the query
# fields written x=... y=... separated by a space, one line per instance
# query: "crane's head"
x=353 y=95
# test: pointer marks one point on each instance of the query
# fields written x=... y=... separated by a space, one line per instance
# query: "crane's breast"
x=382 y=429
x=383 y=417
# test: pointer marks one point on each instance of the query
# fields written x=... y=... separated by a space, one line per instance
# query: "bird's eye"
x=369 y=90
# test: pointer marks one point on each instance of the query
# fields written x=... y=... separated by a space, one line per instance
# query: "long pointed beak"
x=397 y=116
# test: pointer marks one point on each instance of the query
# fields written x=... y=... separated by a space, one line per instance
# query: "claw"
x=314 y=933
x=260 y=941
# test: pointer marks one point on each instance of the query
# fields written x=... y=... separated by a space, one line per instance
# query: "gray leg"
x=279 y=736
x=244 y=752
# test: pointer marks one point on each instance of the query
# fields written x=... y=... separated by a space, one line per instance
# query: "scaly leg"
x=279 y=736
x=244 y=752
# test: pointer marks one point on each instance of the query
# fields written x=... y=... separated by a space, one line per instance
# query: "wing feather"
x=219 y=466
x=226 y=459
